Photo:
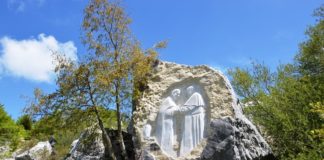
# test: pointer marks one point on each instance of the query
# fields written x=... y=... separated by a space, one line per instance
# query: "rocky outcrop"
x=40 y=151
x=90 y=145
x=228 y=134
x=235 y=139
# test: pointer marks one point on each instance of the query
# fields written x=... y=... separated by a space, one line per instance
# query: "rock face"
x=234 y=139
x=90 y=145
x=192 y=113
x=40 y=151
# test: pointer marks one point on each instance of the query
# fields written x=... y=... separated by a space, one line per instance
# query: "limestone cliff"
x=227 y=133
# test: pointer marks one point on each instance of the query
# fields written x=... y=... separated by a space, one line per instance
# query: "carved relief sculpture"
x=194 y=121
x=165 y=123
x=190 y=113
x=188 y=131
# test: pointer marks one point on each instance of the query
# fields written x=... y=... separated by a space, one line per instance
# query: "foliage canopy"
x=288 y=103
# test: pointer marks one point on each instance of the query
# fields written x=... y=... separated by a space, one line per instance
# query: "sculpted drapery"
x=192 y=118
x=194 y=122
x=165 y=133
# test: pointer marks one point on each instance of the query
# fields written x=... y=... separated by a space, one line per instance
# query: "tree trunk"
x=109 y=153
x=119 y=124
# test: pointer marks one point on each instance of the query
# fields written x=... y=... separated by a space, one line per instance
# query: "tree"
x=283 y=108
x=111 y=76
x=310 y=59
x=77 y=98
x=120 y=63
x=288 y=103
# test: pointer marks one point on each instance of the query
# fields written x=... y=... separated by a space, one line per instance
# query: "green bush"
x=9 y=131
x=25 y=121
x=288 y=103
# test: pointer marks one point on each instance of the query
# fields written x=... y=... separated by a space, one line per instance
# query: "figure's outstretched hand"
x=186 y=108
x=172 y=110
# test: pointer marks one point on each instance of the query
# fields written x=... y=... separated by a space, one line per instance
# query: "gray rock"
x=40 y=151
x=220 y=145
x=24 y=157
x=233 y=139
x=90 y=145
x=148 y=156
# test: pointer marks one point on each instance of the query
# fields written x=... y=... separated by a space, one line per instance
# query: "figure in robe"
x=165 y=123
x=194 y=122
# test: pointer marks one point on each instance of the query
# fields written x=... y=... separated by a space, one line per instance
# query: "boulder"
x=90 y=146
x=191 y=112
x=40 y=151
x=235 y=139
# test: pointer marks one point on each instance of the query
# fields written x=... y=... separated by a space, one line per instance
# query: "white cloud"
x=20 y=5
x=32 y=58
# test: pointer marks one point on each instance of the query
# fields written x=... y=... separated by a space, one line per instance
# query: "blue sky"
x=222 y=34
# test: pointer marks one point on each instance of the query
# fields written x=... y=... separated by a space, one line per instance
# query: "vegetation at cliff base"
x=288 y=103
x=9 y=130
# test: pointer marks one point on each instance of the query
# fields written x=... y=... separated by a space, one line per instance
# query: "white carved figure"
x=194 y=122
x=147 y=131
x=165 y=123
